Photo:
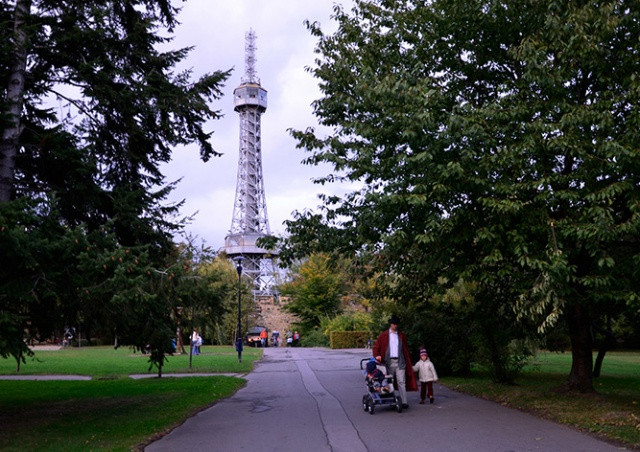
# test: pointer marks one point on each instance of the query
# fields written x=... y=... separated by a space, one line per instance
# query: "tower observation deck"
x=250 y=221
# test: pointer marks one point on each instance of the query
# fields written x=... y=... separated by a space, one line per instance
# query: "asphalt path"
x=310 y=399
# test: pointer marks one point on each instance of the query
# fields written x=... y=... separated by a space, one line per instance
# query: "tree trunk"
x=607 y=344
x=15 y=99
x=180 y=345
x=597 y=367
x=581 y=375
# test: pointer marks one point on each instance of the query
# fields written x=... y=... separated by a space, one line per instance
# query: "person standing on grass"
x=426 y=374
x=391 y=349
x=194 y=342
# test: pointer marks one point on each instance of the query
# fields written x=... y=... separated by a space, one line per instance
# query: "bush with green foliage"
x=313 y=338
x=315 y=290
x=349 y=339
x=354 y=321
x=443 y=331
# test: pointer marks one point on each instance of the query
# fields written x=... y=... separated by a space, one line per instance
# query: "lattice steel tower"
x=250 y=220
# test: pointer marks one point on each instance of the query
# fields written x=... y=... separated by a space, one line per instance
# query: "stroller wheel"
x=399 y=404
x=365 y=405
x=371 y=407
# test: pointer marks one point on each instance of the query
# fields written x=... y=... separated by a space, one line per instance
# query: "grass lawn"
x=613 y=413
x=108 y=362
x=112 y=411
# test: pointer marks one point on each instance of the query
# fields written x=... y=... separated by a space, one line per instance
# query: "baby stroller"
x=374 y=395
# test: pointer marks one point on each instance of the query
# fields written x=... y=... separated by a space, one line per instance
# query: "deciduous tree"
x=496 y=143
x=315 y=291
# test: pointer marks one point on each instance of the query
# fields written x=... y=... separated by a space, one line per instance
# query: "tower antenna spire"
x=250 y=58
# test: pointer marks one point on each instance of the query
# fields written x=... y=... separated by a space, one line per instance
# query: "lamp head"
x=239 y=264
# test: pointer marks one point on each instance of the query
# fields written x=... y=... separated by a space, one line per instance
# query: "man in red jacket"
x=391 y=349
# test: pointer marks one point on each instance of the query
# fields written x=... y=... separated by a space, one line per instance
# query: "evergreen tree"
x=91 y=173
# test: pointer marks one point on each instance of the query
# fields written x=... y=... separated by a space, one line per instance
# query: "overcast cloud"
x=284 y=48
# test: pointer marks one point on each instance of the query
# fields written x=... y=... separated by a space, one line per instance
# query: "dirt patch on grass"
x=46 y=348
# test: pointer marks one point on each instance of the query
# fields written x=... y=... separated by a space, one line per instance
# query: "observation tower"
x=250 y=220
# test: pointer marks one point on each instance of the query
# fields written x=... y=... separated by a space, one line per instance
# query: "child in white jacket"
x=426 y=374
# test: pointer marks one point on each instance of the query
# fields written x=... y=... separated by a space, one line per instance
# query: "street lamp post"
x=239 y=337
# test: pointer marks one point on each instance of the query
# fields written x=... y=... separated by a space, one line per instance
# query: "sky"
x=284 y=47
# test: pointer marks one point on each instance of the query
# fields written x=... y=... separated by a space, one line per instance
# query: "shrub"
x=313 y=338
x=443 y=331
x=349 y=339
x=504 y=362
x=355 y=321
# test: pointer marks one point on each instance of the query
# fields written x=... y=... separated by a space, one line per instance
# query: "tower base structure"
x=258 y=264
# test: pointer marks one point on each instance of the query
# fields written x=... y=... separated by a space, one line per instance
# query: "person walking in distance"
x=426 y=374
x=391 y=349
x=263 y=337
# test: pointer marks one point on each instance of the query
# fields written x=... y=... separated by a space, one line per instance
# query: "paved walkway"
x=311 y=400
